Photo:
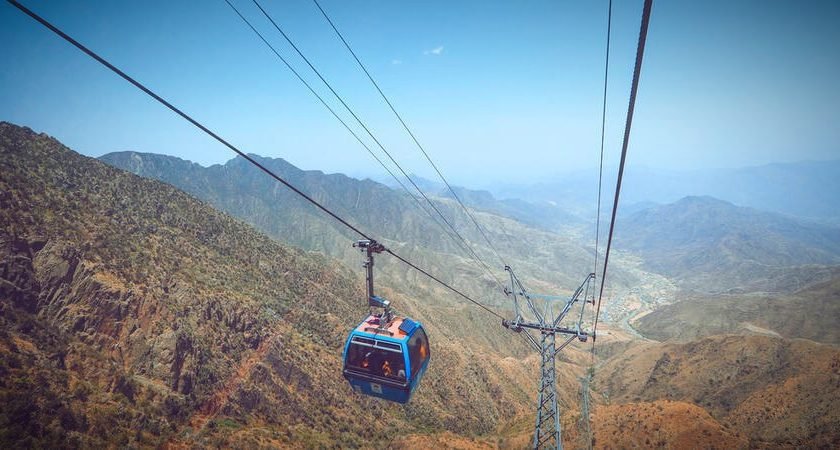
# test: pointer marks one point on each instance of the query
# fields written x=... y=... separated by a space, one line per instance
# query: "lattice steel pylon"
x=547 y=432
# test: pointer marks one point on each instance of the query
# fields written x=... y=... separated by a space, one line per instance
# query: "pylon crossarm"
x=550 y=329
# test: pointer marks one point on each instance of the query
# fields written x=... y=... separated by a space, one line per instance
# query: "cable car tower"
x=548 y=323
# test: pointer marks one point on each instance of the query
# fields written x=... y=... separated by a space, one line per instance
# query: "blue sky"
x=496 y=91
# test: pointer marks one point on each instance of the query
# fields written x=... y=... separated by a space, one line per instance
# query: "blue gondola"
x=385 y=356
x=386 y=360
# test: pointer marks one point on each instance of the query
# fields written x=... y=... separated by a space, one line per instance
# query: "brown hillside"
x=660 y=424
x=775 y=391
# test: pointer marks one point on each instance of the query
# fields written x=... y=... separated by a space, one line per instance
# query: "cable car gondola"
x=386 y=360
x=385 y=356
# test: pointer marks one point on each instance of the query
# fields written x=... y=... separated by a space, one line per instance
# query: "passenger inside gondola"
x=377 y=362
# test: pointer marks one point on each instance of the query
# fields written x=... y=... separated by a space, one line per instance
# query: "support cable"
x=603 y=132
x=365 y=127
x=410 y=264
x=408 y=130
x=227 y=144
x=640 y=51
x=601 y=164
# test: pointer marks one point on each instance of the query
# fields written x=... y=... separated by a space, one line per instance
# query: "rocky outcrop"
x=17 y=276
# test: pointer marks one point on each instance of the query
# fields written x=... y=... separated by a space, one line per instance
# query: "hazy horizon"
x=548 y=178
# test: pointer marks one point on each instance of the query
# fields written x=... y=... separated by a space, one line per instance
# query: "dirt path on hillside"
x=213 y=405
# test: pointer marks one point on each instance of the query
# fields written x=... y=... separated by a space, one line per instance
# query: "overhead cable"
x=603 y=131
x=640 y=51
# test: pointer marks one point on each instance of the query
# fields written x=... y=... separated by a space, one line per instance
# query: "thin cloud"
x=396 y=62
x=434 y=51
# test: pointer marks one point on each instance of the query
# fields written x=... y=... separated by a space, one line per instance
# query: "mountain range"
x=552 y=262
x=699 y=242
x=705 y=244
x=711 y=245
x=209 y=310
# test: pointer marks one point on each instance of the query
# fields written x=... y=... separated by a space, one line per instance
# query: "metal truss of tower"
x=547 y=432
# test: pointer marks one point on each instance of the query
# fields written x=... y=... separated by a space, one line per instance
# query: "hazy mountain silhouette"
x=713 y=246
x=803 y=189
x=541 y=214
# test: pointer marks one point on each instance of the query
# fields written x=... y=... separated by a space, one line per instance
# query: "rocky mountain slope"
x=132 y=314
x=658 y=424
x=550 y=262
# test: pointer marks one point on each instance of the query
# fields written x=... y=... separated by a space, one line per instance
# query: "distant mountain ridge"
x=241 y=190
x=541 y=214
x=712 y=245
x=234 y=187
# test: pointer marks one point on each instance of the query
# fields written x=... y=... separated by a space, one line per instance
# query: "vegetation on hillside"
x=777 y=393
